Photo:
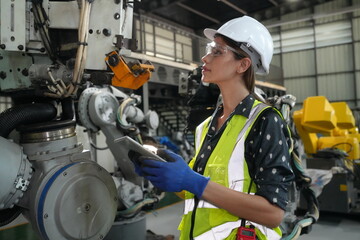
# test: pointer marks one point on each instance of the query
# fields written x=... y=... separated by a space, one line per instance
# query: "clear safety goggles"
x=216 y=50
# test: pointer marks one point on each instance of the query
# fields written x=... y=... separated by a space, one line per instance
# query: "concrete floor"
x=164 y=221
x=330 y=225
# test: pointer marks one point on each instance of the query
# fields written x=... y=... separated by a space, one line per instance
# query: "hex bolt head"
x=113 y=60
x=107 y=32
x=2 y=75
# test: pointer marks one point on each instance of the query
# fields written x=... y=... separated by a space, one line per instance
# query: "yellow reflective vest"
x=226 y=166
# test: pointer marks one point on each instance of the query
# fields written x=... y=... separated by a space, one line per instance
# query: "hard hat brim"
x=210 y=33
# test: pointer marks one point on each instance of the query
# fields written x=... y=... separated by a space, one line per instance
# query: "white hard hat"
x=256 y=39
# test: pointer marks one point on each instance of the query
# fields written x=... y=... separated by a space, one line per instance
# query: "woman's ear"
x=243 y=65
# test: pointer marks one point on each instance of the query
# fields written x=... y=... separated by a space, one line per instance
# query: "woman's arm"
x=250 y=207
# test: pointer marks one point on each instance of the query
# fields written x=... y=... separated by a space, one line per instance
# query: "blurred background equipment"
x=331 y=144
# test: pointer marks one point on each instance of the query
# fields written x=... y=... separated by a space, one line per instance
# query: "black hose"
x=67 y=109
x=25 y=114
x=9 y=215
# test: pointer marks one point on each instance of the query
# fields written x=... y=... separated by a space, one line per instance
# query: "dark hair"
x=249 y=75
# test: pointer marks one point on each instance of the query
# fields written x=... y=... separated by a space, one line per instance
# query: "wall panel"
x=357 y=55
x=337 y=58
x=300 y=63
x=333 y=33
x=301 y=88
x=337 y=87
x=357 y=79
x=356 y=28
x=296 y=15
x=356 y=3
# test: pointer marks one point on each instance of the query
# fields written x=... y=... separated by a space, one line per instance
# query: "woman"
x=240 y=173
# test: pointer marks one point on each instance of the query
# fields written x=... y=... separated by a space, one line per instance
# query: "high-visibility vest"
x=226 y=166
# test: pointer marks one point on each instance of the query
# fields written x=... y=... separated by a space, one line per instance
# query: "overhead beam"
x=274 y=2
x=316 y=16
x=233 y=6
x=197 y=12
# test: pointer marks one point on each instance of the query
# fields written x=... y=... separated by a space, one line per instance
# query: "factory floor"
x=164 y=221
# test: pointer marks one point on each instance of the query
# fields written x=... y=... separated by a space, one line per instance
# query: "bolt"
x=101 y=237
x=2 y=46
x=2 y=75
x=113 y=60
x=46 y=215
x=116 y=16
x=64 y=174
x=106 y=32
x=25 y=72
x=21 y=47
x=87 y=207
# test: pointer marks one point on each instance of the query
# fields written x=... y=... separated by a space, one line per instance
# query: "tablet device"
x=135 y=149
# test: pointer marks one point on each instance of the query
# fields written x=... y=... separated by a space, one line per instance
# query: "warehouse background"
x=315 y=48
x=317 y=52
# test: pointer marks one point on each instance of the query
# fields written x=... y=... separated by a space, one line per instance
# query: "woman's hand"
x=172 y=176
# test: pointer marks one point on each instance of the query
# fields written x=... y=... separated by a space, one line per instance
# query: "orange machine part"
x=132 y=75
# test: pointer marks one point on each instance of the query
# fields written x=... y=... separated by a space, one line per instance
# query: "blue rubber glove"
x=174 y=175
x=138 y=169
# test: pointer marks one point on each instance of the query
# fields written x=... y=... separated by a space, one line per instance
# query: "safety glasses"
x=216 y=50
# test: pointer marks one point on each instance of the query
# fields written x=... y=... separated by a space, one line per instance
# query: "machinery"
x=62 y=64
x=331 y=143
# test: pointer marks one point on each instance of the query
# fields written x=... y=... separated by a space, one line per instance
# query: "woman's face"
x=220 y=64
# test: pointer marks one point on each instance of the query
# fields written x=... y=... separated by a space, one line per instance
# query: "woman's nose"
x=205 y=58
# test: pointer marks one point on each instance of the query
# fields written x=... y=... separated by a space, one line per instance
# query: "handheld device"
x=135 y=149
x=245 y=233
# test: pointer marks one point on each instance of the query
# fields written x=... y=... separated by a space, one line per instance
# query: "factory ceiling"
x=196 y=15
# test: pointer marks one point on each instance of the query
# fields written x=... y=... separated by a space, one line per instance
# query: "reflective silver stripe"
x=199 y=132
x=219 y=232
x=268 y=232
x=252 y=116
x=223 y=231
x=189 y=205
x=236 y=174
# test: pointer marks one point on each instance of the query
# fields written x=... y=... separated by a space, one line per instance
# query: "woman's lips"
x=205 y=69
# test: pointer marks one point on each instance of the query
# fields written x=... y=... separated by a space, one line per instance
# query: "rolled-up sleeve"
x=268 y=158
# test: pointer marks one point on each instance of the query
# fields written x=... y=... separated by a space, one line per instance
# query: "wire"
x=81 y=54
x=298 y=227
x=98 y=148
x=343 y=143
x=133 y=210
x=41 y=19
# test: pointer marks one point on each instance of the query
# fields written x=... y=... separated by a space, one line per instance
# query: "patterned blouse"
x=266 y=151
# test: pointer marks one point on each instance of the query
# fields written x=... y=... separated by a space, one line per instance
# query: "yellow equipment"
x=128 y=75
x=322 y=124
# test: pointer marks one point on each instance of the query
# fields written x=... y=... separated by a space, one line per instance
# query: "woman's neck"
x=231 y=97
